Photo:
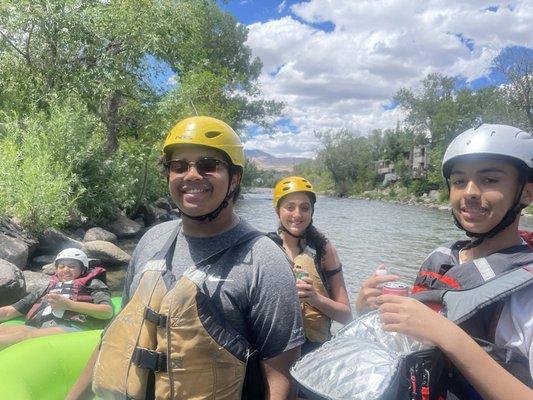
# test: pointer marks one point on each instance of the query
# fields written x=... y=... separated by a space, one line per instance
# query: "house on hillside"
x=417 y=160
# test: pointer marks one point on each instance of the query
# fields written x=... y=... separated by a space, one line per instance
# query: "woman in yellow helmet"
x=317 y=267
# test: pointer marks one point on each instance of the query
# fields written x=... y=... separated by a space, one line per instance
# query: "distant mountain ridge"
x=266 y=161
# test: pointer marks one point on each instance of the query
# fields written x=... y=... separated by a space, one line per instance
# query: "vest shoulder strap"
x=460 y=305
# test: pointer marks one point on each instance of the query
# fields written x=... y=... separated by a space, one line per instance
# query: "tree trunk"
x=112 y=121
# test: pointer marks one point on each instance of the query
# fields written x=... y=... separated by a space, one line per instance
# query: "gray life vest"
x=364 y=362
x=471 y=294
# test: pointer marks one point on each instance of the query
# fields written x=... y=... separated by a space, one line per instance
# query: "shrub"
x=419 y=186
x=55 y=165
x=136 y=176
x=35 y=188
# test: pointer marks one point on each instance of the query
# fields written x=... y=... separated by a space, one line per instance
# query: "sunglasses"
x=206 y=165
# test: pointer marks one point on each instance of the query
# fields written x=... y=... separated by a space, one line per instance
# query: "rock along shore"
x=27 y=262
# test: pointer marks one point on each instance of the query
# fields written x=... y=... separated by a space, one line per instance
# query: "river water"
x=365 y=233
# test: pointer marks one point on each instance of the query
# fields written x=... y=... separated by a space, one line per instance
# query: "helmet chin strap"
x=299 y=237
x=213 y=214
x=283 y=229
x=508 y=219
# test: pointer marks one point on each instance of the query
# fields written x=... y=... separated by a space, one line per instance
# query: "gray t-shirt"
x=251 y=286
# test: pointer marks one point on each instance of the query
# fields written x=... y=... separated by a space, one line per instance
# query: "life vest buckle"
x=149 y=359
x=159 y=320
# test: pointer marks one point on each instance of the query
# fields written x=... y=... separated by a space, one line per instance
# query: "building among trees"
x=416 y=160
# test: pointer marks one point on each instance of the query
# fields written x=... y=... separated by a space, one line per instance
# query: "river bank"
x=400 y=195
x=434 y=199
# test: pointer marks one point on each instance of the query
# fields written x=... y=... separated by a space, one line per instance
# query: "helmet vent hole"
x=308 y=186
x=285 y=189
x=212 y=134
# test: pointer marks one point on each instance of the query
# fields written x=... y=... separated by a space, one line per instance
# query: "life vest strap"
x=159 y=320
x=149 y=359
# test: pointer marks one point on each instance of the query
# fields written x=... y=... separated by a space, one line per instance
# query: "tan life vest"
x=316 y=324
x=175 y=333
x=199 y=367
x=116 y=376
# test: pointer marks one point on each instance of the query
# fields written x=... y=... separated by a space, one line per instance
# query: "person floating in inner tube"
x=210 y=308
x=489 y=172
x=317 y=267
x=75 y=299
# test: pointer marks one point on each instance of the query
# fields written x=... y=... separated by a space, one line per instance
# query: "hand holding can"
x=396 y=288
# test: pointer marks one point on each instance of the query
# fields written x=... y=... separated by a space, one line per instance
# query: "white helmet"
x=73 y=254
x=498 y=140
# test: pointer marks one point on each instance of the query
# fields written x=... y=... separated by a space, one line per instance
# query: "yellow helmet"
x=292 y=184
x=209 y=132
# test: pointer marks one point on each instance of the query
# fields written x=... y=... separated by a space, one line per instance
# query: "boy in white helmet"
x=75 y=299
x=489 y=172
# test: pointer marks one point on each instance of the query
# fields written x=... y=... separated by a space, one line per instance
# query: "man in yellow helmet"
x=203 y=317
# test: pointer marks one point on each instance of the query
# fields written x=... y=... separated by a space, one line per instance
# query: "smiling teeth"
x=194 y=191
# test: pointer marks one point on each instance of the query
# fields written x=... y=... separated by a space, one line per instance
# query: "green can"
x=301 y=273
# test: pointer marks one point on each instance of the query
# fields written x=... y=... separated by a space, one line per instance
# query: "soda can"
x=300 y=273
x=396 y=288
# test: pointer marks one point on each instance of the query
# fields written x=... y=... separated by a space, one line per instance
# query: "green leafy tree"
x=82 y=91
x=517 y=66
x=426 y=104
x=109 y=54
x=316 y=172
x=348 y=158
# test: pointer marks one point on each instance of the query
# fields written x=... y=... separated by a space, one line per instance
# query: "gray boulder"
x=106 y=252
x=35 y=281
x=174 y=214
x=52 y=242
x=99 y=234
x=124 y=227
x=12 y=228
x=153 y=215
x=14 y=250
x=434 y=195
x=140 y=221
x=45 y=259
x=49 y=269
x=163 y=203
x=12 y=284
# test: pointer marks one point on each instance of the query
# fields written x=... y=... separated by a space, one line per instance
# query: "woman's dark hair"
x=316 y=240
x=313 y=237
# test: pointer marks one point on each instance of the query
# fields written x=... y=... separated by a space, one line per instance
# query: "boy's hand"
x=59 y=302
x=366 y=298
x=411 y=317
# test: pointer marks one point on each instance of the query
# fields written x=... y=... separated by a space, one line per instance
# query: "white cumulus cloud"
x=344 y=76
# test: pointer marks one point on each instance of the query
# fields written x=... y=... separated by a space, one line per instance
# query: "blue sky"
x=338 y=63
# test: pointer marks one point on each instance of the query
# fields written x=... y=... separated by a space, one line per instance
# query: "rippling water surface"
x=366 y=233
